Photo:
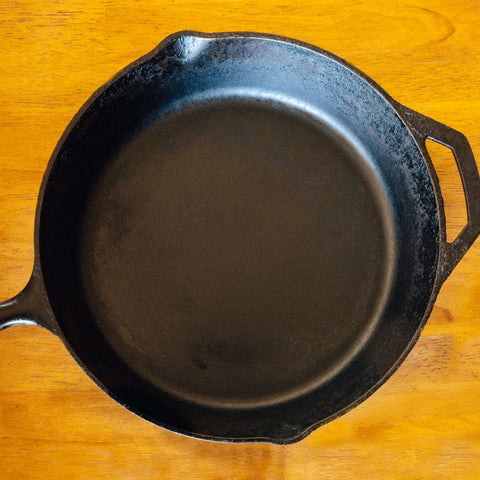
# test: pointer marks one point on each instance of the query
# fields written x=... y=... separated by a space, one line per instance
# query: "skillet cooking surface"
x=234 y=252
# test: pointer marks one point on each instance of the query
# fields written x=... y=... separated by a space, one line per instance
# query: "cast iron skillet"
x=240 y=236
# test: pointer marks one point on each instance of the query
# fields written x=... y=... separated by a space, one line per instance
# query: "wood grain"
x=424 y=423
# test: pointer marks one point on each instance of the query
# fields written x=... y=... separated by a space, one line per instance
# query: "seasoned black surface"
x=238 y=237
x=234 y=253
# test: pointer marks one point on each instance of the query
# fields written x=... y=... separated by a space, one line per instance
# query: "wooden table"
x=424 y=423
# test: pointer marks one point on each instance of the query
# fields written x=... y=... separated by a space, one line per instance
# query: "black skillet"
x=240 y=236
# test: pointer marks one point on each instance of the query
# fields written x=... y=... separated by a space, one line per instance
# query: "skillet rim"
x=37 y=274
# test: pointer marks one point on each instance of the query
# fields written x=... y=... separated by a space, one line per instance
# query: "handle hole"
x=451 y=186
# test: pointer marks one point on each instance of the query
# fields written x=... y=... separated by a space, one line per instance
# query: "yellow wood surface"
x=424 y=423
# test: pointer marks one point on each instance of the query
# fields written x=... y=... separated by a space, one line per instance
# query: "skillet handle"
x=29 y=307
x=425 y=128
